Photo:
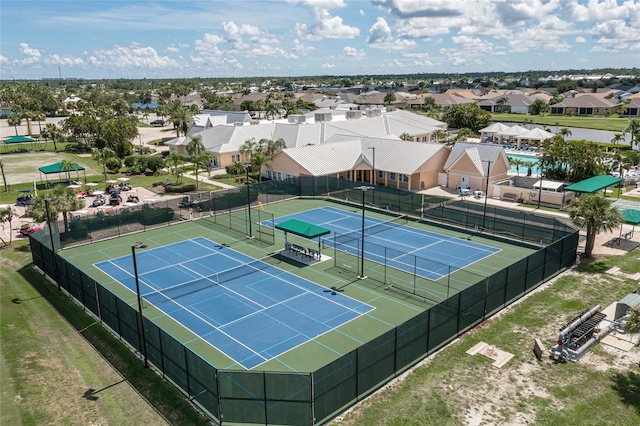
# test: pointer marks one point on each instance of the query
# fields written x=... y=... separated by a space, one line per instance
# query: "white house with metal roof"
x=223 y=141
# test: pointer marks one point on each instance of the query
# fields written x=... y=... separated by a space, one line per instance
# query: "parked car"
x=157 y=123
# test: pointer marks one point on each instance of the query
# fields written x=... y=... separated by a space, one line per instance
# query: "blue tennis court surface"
x=246 y=308
x=430 y=255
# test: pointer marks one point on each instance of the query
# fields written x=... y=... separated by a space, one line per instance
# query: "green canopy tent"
x=17 y=139
x=594 y=184
x=304 y=230
x=57 y=168
x=631 y=217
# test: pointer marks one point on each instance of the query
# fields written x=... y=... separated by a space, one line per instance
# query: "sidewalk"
x=202 y=178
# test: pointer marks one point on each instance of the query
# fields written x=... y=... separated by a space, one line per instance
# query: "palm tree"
x=4 y=178
x=28 y=116
x=53 y=132
x=64 y=201
x=464 y=134
x=175 y=161
x=258 y=160
x=39 y=116
x=271 y=110
x=248 y=147
x=406 y=137
x=180 y=118
x=270 y=147
x=517 y=163
x=564 y=132
x=595 y=213
x=101 y=156
x=7 y=214
x=14 y=120
x=440 y=134
x=198 y=154
x=634 y=130
x=67 y=166
x=617 y=138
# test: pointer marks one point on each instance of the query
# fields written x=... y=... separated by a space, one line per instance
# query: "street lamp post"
x=53 y=247
x=364 y=189
x=248 y=168
x=143 y=341
x=486 y=193
x=373 y=171
x=540 y=189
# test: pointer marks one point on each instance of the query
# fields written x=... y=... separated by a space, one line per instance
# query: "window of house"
x=392 y=176
x=279 y=176
x=424 y=139
x=235 y=158
x=288 y=176
x=380 y=174
x=404 y=178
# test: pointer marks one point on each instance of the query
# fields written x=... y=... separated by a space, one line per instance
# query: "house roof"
x=342 y=154
x=587 y=101
x=479 y=153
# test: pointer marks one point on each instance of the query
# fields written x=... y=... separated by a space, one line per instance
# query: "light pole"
x=248 y=168
x=540 y=191
x=53 y=247
x=364 y=189
x=373 y=172
x=486 y=193
x=143 y=342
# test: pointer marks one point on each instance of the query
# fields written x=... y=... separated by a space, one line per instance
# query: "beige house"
x=589 y=104
x=395 y=163
x=470 y=164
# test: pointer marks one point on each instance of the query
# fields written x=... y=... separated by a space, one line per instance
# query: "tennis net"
x=372 y=229
x=185 y=289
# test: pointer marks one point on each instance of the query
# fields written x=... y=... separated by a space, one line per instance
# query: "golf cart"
x=25 y=197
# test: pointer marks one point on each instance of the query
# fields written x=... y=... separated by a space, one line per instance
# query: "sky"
x=268 y=38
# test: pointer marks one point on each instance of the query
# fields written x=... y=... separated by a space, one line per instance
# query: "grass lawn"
x=599 y=123
x=58 y=366
x=455 y=388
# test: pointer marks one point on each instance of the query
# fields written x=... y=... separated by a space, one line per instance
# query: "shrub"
x=113 y=164
x=179 y=188
x=153 y=163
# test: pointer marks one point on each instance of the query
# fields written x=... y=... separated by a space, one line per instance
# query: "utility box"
x=630 y=300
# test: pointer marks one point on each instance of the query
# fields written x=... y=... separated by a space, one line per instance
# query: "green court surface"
x=392 y=307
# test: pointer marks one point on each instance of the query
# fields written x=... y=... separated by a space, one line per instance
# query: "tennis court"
x=436 y=255
x=246 y=308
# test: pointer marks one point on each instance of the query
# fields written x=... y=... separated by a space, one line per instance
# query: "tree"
x=66 y=166
x=39 y=116
x=197 y=153
x=248 y=147
x=389 y=98
x=4 y=178
x=270 y=147
x=7 y=214
x=501 y=102
x=53 y=132
x=594 y=213
x=538 y=107
x=64 y=201
x=174 y=162
x=617 y=138
x=564 y=132
x=440 y=135
x=406 y=137
x=258 y=160
x=634 y=130
x=517 y=163
x=14 y=120
x=470 y=115
x=464 y=134
x=101 y=156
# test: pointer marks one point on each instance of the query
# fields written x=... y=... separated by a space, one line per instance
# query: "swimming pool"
x=535 y=170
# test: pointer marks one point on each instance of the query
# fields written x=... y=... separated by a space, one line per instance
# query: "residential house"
x=587 y=104
x=633 y=107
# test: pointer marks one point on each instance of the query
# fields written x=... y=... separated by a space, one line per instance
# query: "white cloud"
x=32 y=56
x=4 y=60
x=66 y=60
x=362 y=13
x=327 y=66
x=379 y=32
x=322 y=4
x=174 y=48
x=580 y=39
x=353 y=53
x=300 y=49
x=132 y=56
x=326 y=26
